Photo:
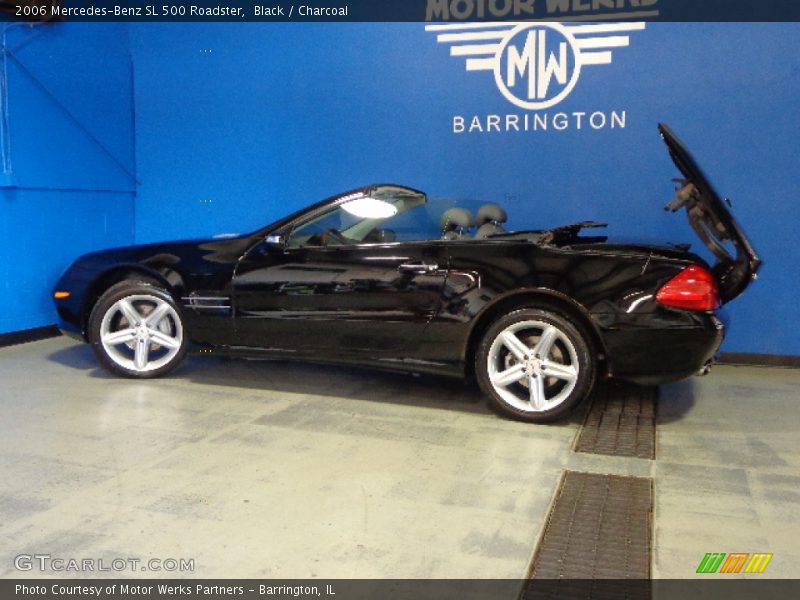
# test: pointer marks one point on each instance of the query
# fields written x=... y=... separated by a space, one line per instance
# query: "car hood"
x=227 y=250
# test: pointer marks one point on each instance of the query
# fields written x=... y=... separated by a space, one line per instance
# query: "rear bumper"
x=663 y=352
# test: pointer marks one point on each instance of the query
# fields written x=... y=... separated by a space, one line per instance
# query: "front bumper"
x=70 y=310
x=70 y=332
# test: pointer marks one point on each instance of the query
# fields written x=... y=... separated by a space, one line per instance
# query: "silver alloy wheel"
x=141 y=333
x=533 y=366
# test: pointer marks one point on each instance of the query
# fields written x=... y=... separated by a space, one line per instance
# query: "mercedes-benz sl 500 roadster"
x=384 y=277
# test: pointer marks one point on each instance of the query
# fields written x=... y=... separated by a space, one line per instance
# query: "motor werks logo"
x=536 y=66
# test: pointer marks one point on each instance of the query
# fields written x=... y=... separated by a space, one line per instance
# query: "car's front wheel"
x=136 y=330
x=535 y=365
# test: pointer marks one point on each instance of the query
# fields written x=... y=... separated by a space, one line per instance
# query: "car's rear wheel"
x=535 y=365
x=136 y=330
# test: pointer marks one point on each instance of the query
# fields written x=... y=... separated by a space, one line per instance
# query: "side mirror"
x=276 y=240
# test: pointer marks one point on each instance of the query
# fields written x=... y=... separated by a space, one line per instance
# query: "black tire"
x=144 y=294
x=576 y=364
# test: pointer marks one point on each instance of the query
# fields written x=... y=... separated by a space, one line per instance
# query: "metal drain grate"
x=621 y=422
x=598 y=528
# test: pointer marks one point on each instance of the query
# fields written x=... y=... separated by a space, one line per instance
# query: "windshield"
x=386 y=214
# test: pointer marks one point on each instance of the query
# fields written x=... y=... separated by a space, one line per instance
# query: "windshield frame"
x=336 y=203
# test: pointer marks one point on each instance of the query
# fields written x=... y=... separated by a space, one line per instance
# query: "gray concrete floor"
x=259 y=469
x=727 y=476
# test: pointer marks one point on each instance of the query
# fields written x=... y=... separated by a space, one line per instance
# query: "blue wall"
x=264 y=119
x=237 y=124
x=67 y=186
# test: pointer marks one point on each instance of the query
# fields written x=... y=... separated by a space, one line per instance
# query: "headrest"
x=453 y=218
x=491 y=212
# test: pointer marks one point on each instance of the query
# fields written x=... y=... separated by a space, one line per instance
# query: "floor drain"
x=620 y=422
x=599 y=528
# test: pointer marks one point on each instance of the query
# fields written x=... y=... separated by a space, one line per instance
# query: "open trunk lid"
x=737 y=262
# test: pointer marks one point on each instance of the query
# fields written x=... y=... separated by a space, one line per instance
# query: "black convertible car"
x=381 y=276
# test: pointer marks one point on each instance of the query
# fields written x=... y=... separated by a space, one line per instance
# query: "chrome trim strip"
x=212 y=307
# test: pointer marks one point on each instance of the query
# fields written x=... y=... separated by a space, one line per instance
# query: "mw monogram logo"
x=535 y=65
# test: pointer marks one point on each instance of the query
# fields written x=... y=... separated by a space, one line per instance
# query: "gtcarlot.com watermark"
x=56 y=564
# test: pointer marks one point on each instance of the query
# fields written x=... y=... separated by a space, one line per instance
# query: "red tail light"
x=694 y=288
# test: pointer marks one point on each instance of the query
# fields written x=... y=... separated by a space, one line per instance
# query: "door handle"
x=418 y=267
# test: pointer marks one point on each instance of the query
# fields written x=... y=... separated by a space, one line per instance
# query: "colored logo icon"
x=736 y=562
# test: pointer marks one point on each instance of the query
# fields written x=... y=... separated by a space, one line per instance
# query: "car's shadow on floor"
x=237 y=375
x=343 y=381
x=79 y=356
x=675 y=401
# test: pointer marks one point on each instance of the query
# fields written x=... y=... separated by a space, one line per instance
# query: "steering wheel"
x=331 y=235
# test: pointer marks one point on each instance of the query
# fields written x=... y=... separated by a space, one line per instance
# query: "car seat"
x=455 y=222
x=489 y=219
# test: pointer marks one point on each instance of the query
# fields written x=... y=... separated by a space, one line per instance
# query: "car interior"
x=406 y=219
x=456 y=223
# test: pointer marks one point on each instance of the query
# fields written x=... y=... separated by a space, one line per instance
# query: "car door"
x=310 y=297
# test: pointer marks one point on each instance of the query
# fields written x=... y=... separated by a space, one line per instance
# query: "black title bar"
x=712 y=588
x=456 y=11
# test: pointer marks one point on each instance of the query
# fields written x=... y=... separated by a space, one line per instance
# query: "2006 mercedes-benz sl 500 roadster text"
x=381 y=276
